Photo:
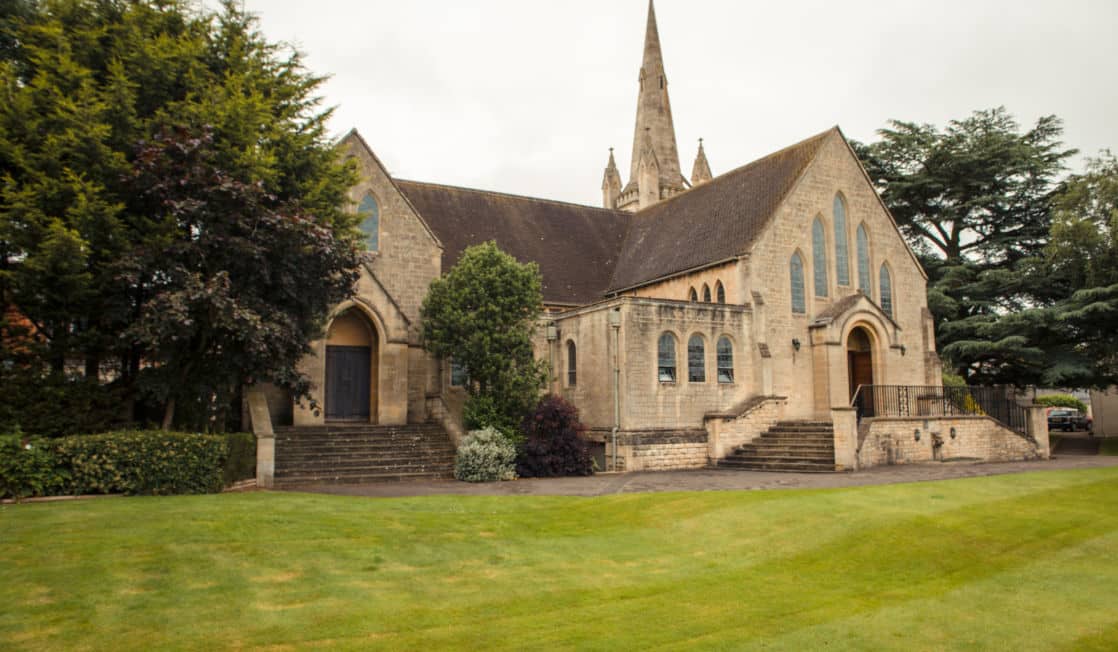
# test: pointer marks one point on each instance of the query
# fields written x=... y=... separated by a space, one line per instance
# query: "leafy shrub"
x=953 y=380
x=485 y=456
x=1062 y=400
x=28 y=467
x=129 y=462
x=241 y=461
x=553 y=445
x=482 y=411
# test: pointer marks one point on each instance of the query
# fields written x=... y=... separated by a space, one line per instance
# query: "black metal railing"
x=998 y=403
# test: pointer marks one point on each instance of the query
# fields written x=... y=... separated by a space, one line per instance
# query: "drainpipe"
x=615 y=324
x=552 y=335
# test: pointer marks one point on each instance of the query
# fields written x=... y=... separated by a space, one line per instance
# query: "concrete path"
x=707 y=480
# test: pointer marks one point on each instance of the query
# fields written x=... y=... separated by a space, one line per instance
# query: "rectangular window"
x=458 y=375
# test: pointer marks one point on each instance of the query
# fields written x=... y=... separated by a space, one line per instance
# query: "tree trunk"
x=169 y=413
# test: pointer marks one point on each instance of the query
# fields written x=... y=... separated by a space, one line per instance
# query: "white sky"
x=525 y=96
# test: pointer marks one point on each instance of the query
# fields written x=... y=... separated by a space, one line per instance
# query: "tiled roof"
x=575 y=246
x=585 y=252
x=714 y=221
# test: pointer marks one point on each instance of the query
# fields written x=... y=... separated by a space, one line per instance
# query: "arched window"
x=719 y=292
x=370 y=223
x=819 y=257
x=572 y=364
x=696 y=360
x=665 y=356
x=706 y=293
x=693 y=296
x=725 y=360
x=842 y=255
x=796 y=270
x=885 y=284
x=863 y=260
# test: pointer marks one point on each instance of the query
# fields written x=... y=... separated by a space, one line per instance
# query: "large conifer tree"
x=171 y=208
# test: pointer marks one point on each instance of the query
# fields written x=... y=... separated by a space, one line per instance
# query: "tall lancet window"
x=370 y=222
x=842 y=254
x=864 y=280
x=885 y=285
x=796 y=271
x=819 y=257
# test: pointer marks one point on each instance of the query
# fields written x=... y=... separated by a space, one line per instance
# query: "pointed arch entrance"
x=859 y=358
x=352 y=362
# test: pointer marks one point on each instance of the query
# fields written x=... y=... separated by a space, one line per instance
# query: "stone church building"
x=684 y=317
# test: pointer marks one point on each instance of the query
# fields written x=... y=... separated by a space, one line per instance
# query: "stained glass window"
x=842 y=255
x=725 y=360
x=796 y=270
x=863 y=260
x=696 y=360
x=886 y=287
x=370 y=223
x=819 y=257
x=666 y=358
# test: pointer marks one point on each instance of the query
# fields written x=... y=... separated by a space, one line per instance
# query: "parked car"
x=1068 y=420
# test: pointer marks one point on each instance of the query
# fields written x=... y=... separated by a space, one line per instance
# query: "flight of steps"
x=800 y=446
x=357 y=453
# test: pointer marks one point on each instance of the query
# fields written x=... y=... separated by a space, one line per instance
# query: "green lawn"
x=1019 y=562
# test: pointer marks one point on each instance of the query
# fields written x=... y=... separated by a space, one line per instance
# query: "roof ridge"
x=499 y=193
x=740 y=168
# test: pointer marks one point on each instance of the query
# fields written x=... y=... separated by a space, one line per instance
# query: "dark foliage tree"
x=240 y=284
x=553 y=445
x=975 y=202
x=483 y=313
x=90 y=85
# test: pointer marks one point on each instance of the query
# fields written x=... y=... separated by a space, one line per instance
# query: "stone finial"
x=700 y=172
x=611 y=183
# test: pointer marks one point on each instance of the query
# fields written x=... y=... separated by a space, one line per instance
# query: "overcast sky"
x=526 y=96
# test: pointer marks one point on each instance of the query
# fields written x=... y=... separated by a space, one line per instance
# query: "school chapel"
x=684 y=317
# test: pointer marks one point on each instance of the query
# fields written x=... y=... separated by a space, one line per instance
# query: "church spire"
x=654 y=114
x=700 y=172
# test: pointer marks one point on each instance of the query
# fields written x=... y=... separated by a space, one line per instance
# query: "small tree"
x=482 y=314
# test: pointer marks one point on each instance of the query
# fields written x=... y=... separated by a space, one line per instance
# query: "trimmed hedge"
x=129 y=462
x=241 y=462
x=1061 y=400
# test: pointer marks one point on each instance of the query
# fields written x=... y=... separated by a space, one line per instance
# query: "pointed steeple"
x=611 y=183
x=700 y=172
x=654 y=113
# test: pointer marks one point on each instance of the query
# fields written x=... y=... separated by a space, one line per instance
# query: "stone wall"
x=728 y=431
x=893 y=440
x=663 y=450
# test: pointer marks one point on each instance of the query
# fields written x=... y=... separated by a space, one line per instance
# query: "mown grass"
x=1022 y=562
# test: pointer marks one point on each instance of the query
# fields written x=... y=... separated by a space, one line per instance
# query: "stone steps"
x=358 y=453
x=789 y=446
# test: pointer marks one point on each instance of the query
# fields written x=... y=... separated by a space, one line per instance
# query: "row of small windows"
x=719 y=293
x=842 y=263
x=696 y=359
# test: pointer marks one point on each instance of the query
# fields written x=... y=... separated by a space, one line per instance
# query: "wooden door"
x=348 y=382
x=860 y=366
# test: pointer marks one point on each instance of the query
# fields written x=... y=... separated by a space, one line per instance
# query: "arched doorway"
x=351 y=368
x=859 y=359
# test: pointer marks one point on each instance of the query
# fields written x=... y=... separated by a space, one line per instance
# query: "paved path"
x=708 y=480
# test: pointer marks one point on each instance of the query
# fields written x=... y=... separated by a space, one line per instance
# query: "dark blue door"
x=347 y=382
